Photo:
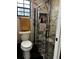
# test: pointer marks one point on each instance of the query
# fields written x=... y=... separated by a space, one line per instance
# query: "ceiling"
x=43 y=5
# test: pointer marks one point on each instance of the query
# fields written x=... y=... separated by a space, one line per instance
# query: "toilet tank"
x=25 y=35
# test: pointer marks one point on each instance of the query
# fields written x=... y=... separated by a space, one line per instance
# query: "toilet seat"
x=26 y=44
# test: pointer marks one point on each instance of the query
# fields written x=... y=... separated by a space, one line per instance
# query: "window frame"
x=24 y=8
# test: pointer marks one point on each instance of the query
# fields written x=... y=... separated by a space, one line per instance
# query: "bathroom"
x=36 y=28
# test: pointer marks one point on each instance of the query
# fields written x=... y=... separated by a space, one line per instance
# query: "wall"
x=53 y=16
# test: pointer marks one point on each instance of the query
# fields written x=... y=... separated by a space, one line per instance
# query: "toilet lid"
x=26 y=44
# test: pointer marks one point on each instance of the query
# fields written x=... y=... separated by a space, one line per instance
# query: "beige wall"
x=53 y=17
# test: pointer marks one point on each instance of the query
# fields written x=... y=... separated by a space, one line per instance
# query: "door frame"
x=57 y=46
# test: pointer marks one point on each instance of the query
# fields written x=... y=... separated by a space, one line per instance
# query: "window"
x=23 y=7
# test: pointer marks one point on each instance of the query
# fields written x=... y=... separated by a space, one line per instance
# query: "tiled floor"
x=34 y=53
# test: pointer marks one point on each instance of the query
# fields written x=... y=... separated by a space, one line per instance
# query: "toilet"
x=26 y=45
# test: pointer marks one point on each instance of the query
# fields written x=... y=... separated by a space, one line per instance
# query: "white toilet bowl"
x=26 y=46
